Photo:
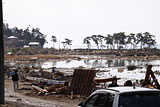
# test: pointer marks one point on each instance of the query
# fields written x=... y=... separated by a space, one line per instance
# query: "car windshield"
x=139 y=100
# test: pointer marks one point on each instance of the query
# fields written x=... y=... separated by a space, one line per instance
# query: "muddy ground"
x=41 y=57
x=20 y=99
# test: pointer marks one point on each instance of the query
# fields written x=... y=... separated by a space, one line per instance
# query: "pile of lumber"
x=50 y=90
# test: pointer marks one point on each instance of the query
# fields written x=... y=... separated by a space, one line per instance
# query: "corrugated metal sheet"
x=83 y=82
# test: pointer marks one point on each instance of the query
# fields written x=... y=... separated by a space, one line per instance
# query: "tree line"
x=115 y=41
x=65 y=43
x=24 y=36
x=121 y=41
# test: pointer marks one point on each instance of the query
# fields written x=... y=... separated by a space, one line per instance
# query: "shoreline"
x=75 y=57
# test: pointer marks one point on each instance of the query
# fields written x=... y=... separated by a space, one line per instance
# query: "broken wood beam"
x=97 y=81
x=39 y=89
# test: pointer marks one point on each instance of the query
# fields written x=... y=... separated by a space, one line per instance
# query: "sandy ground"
x=19 y=99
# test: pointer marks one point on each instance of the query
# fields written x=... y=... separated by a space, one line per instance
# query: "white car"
x=123 y=97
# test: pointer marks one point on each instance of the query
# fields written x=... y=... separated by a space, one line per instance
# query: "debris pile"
x=47 y=75
x=131 y=67
x=80 y=84
x=49 y=90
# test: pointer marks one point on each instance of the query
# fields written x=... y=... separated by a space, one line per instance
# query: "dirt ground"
x=64 y=57
x=20 y=99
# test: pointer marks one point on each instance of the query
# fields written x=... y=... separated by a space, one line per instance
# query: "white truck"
x=123 y=97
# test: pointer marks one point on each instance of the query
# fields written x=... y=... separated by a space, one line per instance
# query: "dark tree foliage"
x=67 y=42
x=122 y=41
x=54 y=40
x=23 y=36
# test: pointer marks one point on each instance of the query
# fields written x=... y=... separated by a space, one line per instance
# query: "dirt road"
x=16 y=99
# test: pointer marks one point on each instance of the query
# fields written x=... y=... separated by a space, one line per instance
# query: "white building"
x=12 y=37
x=25 y=46
x=34 y=45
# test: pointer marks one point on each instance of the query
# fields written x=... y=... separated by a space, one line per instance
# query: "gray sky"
x=77 y=19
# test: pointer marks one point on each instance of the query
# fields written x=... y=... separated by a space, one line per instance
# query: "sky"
x=77 y=19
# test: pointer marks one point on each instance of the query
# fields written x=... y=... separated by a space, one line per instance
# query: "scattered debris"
x=33 y=58
x=81 y=84
x=120 y=70
x=150 y=78
x=131 y=67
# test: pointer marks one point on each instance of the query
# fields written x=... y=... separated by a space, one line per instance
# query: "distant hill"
x=15 y=37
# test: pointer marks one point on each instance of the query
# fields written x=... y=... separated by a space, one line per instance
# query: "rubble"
x=131 y=67
x=150 y=78
x=81 y=84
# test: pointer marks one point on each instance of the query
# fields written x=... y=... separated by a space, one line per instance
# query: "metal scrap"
x=82 y=82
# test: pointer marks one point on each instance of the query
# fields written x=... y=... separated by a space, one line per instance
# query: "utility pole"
x=1 y=56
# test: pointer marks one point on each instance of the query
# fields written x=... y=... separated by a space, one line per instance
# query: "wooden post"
x=1 y=56
x=150 y=73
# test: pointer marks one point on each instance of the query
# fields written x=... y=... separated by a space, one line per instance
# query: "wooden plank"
x=105 y=80
x=148 y=73
x=78 y=83
x=39 y=89
x=73 y=81
x=88 y=82
x=83 y=89
x=92 y=82
x=82 y=82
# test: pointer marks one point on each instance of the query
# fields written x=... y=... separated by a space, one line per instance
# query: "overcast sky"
x=77 y=19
